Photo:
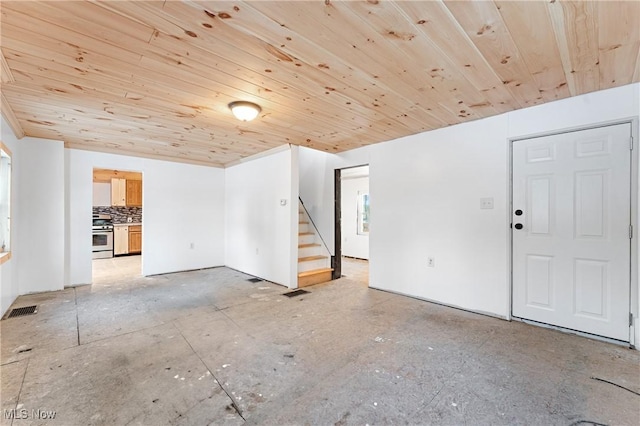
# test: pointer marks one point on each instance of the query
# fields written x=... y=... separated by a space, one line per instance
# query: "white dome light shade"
x=245 y=111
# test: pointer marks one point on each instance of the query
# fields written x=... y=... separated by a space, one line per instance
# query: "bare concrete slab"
x=54 y=327
x=211 y=347
x=117 y=317
x=149 y=377
x=11 y=378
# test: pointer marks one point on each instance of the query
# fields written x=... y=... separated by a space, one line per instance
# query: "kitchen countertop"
x=128 y=224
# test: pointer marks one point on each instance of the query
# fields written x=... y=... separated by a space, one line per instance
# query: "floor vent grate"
x=255 y=280
x=25 y=310
x=295 y=293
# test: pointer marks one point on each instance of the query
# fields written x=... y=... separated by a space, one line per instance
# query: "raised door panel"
x=118 y=190
x=591 y=207
x=540 y=204
x=121 y=240
x=134 y=193
x=591 y=288
x=135 y=242
x=539 y=288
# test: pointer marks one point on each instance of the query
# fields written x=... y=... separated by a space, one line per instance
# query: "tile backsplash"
x=120 y=214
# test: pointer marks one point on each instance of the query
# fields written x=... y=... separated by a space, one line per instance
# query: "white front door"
x=571 y=230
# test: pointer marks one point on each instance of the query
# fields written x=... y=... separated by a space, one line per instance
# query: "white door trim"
x=634 y=301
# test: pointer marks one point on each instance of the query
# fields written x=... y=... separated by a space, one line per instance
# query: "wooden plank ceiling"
x=154 y=78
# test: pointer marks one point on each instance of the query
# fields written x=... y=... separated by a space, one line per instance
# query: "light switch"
x=283 y=202
x=486 y=203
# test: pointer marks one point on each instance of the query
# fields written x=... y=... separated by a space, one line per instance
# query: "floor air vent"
x=25 y=310
x=255 y=280
x=295 y=293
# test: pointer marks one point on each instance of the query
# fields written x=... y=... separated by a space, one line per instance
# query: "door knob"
x=518 y=226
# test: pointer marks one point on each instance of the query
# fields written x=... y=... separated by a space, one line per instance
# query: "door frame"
x=336 y=261
x=633 y=284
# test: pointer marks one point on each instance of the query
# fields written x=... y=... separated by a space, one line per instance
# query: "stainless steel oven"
x=102 y=233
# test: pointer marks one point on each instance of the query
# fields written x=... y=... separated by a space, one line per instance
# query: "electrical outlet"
x=431 y=262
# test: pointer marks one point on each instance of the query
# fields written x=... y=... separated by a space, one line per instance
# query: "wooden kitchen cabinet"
x=118 y=192
x=135 y=239
x=126 y=192
x=134 y=193
x=120 y=240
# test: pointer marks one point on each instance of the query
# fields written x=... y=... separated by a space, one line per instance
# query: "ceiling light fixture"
x=245 y=111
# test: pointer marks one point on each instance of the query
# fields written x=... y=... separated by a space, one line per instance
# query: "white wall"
x=183 y=204
x=425 y=202
x=425 y=199
x=261 y=234
x=101 y=194
x=353 y=244
x=37 y=233
x=597 y=107
x=9 y=276
x=41 y=221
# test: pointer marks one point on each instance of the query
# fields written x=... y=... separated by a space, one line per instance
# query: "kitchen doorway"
x=117 y=225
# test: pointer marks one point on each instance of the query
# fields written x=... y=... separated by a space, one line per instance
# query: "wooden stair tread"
x=308 y=245
x=311 y=258
x=314 y=272
x=303 y=223
x=306 y=233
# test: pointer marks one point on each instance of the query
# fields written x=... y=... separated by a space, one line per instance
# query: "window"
x=5 y=203
x=363 y=213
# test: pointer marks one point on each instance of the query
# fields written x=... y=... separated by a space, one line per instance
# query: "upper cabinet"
x=134 y=193
x=126 y=187
x=118 y=192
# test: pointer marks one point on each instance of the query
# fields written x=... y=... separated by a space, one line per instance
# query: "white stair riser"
x=314 y=264
x=306 y=239
x=309 y=251
x=303 y=227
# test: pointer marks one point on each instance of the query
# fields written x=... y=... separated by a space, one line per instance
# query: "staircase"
x=314 y=260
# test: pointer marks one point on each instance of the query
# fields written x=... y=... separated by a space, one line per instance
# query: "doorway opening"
x=117 y=225
x=353 y=215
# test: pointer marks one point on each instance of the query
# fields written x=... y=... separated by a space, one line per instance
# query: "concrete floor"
x=210 y=347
